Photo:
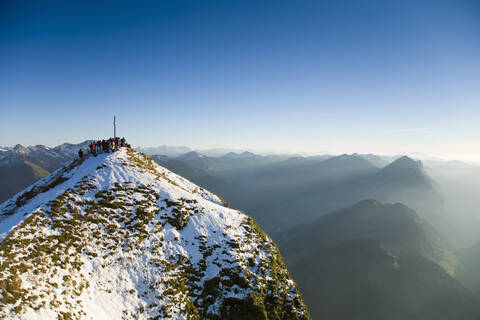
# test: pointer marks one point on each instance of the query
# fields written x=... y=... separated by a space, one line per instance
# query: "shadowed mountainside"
x=396 y=226
x=360 y=279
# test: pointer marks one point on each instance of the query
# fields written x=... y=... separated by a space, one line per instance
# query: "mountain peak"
x=346 y=157
x=350 y=160
x=246 y=154
x=230 y=156
x=70 y=149
x=192 y=155
x=406 y=162
x=19 y=149
x=403 y=169
x=120 y=230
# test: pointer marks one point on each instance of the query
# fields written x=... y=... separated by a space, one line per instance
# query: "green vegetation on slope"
x=115 y=226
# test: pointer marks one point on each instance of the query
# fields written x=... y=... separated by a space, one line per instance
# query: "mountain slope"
x=229 y=164
x=312 y=187
x=396 y=226
x=307 y=190
x=360 y=279
x=377 y=261
x=18 y=175
x=334 y=169
x=405 y=169
x=468 y=268
x=21 y=166
x=119 y=237
x=405 y=178
x=377 y=161
x=194 y=174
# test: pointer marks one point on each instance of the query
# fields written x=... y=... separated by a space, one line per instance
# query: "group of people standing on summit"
x=111 y=144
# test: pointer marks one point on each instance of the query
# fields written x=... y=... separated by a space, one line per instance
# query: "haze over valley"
x=393 y=219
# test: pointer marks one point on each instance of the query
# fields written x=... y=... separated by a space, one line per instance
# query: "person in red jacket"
x=92 y=147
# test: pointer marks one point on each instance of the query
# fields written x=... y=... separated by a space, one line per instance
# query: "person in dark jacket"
x=117 y=143
x=80 y=154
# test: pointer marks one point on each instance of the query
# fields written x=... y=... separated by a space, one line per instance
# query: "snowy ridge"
x=119 y=237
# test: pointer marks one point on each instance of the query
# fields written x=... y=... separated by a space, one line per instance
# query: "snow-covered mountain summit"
x=66 y=150
x=48 y=158
x=119 y=237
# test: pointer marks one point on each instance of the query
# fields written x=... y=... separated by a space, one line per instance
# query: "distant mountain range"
x=352 y=256
x=275 y=188
x=21 y=166
x=175 y=151
x=170 y=151
x=270 y=187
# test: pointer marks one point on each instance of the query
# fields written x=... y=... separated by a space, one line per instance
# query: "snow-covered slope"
x=119 y=237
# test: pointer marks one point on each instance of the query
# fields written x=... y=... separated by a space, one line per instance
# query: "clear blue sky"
x=339 y=76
